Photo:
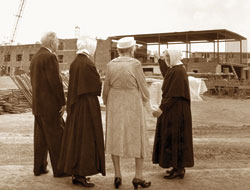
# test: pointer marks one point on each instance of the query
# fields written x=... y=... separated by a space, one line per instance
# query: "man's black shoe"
x=41 y=172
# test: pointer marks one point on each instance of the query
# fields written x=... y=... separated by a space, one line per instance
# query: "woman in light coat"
x=125 y=92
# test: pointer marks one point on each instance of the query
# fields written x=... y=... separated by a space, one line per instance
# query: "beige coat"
x=124 y=94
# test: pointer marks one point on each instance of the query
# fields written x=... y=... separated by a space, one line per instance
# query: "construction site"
x=223 y=73
x=220 y=91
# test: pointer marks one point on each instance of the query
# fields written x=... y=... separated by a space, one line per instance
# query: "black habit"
x=82 y=150
x=173 y=144
x=47 y=100
x=163 y=67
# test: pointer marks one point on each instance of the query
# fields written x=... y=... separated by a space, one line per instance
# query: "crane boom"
x=12 y=39
x=18 y=15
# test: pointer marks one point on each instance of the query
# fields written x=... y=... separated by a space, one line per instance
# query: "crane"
x=18 y=15
x=12 y=39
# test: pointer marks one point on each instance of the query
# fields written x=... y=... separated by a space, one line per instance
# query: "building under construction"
x=20 y=55
x=214 y=65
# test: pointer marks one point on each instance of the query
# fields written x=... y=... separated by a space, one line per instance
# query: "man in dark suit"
x=48 y=105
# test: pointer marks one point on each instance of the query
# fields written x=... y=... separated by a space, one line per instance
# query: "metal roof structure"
x=201 y=36
x=188 y=38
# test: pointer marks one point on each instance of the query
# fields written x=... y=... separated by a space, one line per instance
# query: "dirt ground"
x=221 y=131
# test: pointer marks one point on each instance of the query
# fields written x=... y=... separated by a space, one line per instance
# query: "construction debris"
x=13 y=101
x=24 y=85
x=19 y=101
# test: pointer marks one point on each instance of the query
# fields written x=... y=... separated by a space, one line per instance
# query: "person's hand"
x=62 y=110
x=157 y=113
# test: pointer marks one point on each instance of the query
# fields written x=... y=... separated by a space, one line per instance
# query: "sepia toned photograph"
x=124 y=95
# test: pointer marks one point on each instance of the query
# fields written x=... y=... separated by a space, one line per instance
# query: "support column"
x=241 y=52
x=190 y=51
x=243 y=73
x=186 y=46
x=159 y=45
x=214 y=49
x=186 y=50
x=218 y=49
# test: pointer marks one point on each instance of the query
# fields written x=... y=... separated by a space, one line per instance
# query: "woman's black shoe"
x=136 y=182
x=117 y=182
x=170 y=171
x=176 y=174
x=82 y=180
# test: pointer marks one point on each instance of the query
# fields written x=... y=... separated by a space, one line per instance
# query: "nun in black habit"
x=82 y=152
x=173 y=144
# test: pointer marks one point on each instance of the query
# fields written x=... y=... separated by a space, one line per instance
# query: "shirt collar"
x=48 y=49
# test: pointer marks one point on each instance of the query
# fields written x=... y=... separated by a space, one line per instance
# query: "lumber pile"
x=65 y=80
x=24 y=85
x=21 y=100
x=13 y=101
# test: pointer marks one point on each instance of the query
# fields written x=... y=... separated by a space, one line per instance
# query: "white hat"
x=126 y=42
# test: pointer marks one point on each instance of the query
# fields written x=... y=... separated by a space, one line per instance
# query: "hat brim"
x=128 y=46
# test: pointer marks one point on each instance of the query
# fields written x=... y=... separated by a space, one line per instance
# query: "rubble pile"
x=13 y=101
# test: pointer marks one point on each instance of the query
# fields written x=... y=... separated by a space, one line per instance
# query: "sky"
x=104 y=18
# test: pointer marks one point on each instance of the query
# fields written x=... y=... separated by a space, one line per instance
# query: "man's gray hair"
x=47 y=38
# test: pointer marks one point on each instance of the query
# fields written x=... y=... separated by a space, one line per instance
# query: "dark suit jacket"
x=47 y=89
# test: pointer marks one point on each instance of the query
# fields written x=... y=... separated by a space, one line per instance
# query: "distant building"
x=14 y=58
x=207 y=62
x=19 y=57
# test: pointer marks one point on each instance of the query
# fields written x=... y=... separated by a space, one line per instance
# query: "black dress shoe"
x=136 y=182
x=41 y=172
x=81 y=180
x=117 y=182
x=170 y=171
x=176 y=174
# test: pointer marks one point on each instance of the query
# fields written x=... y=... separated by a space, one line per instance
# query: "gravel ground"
x=221 y=131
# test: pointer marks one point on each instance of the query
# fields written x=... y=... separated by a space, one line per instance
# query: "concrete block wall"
x=202 y=67
x=24 y=50
x=68 y=56
x=103 y=54
x=68 y=52
x=68 y=44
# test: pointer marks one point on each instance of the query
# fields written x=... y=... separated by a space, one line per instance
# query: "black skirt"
x=82 y=151
x=173 y=144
